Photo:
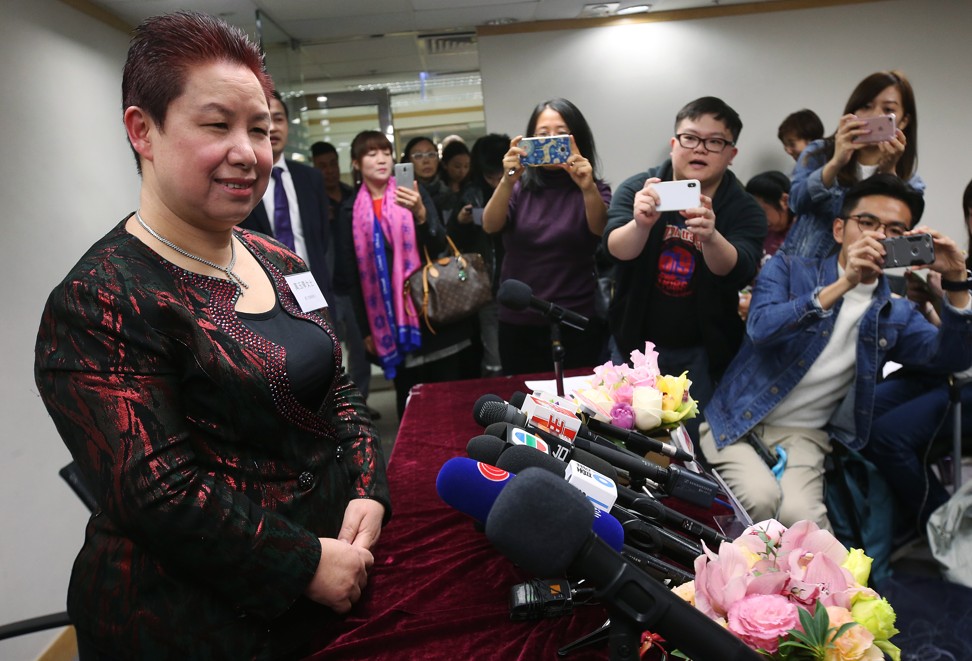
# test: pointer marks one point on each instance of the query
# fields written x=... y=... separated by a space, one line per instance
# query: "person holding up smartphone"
x=818 y=334
x=679 y=272
x=551 y=217
x=828 y=167
x=911 y=411
x=385 y=230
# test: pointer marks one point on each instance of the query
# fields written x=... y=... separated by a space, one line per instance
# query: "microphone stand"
x=558 y=351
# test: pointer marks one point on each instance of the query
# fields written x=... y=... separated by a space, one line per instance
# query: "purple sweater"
x=549 y=246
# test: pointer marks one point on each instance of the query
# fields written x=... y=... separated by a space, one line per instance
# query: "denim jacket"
x=816 y=205
x=787 y=330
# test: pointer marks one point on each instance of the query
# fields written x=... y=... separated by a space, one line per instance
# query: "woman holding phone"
x=830 y=166
x=385 y=230
x=551 y=218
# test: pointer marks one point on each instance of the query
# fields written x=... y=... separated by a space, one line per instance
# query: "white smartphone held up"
x=404 y=175
x=678 y=195
x=477 y=216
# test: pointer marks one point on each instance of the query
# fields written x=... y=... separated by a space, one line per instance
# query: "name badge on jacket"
x=309 y=296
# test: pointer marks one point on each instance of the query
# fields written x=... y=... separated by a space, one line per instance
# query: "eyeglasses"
x=871 y=223
x=713 y=145
x=422 y=155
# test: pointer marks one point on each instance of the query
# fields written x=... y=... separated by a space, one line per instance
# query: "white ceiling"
x=343 y=39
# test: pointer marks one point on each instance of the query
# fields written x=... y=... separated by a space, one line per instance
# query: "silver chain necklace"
x=228 y=269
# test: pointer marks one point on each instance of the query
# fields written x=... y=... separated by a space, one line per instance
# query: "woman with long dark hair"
x=830 y=166
x=551 y=219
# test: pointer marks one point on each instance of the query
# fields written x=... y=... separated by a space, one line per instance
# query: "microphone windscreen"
x=489 y=412
x=482 y=401
x=470 y=486
x=497 y=430
x=518 y=458
x=540 y=522
x=514 y=294
x=517 y=399
x=485 y=448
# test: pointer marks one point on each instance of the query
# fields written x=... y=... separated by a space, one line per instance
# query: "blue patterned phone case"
x=550 y=150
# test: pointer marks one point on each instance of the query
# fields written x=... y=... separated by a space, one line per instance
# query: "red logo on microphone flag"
x=492 y=473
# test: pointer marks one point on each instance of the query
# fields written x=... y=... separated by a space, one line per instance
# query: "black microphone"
x=674 y=480
x=517 y=295
x=544 y=525
x=637 y=441
x=653 y=538
x=490 y=408
x=485 y=448
x=653 y=510
x=656 y=567
x=559 y=448
x=515 y=458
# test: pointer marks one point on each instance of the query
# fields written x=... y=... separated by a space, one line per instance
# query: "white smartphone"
x=678 y=195
x=404 y=175
x=477 y=216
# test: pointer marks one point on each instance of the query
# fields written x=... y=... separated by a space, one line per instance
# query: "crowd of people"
x=191 y=366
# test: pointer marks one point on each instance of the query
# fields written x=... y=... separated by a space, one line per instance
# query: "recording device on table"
x=405 y=175
x=882 y=129
x=912 y=250
x=546 y=150
x=678 y=195
x=550 y=597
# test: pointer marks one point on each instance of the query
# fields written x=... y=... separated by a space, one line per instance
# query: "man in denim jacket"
x=818 y=332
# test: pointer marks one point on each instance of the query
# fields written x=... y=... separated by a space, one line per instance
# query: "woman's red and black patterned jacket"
x=213 y=482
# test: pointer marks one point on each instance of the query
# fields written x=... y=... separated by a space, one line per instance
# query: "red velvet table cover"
x=438 y=589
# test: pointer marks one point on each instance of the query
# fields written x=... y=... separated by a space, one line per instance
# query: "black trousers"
x=528 y=349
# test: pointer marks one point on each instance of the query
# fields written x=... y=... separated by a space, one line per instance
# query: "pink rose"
x=760 y=620
x=622 y=416
x=623 y=393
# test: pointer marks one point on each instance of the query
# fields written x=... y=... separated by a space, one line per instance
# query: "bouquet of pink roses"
x=794 y=593
x=638 y=396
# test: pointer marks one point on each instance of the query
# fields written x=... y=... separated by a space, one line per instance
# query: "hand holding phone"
x=881 y=128
x=546 y=150
x=405 y=175
x=911 y=250
x=678 y=195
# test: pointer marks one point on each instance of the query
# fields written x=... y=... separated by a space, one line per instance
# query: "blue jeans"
x=910 y=412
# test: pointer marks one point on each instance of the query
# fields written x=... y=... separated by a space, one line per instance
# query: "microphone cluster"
x=560 y=499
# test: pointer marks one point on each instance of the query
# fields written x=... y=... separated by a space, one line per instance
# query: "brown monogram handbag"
x=450 y=288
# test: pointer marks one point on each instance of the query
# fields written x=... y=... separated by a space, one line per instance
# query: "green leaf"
x=839 y=632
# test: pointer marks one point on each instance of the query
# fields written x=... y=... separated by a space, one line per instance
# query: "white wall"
x=66 y=177
x=630 y=81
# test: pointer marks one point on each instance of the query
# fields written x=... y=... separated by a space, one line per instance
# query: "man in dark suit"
x=294 y=209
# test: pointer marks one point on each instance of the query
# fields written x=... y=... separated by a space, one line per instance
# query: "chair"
x=946 y=450
x=73 y=477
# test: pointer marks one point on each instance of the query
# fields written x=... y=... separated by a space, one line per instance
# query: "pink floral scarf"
x=392 y=318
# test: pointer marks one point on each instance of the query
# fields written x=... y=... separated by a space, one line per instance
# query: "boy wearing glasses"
x=679 y=272
x=818 y=333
